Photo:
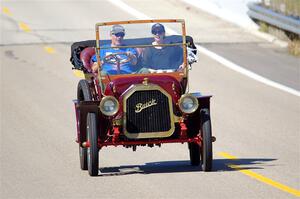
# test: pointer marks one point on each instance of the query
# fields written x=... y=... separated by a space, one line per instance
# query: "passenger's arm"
x=146 y=61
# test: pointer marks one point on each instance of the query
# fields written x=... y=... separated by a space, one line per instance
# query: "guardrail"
x=281 y=21
x=286 y=7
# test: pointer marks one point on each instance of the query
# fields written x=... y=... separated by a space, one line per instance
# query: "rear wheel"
x=206 y=148
x=83 y=94
x=92 y=150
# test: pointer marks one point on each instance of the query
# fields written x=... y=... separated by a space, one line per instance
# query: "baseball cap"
x=117 y=29
x=157 y=28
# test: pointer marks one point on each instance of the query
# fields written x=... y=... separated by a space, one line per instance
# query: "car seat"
x=85 y=56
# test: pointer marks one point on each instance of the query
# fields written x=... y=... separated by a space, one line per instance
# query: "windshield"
x=140 y=48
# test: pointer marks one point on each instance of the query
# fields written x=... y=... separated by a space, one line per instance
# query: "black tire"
x=83 y=94
x=194 y=150
x=92 y=150
x=206 y=149
x=83 y=91
x=83 y=158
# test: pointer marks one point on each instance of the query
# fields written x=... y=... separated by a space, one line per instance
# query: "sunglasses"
x=157 y=32
x=119 y=34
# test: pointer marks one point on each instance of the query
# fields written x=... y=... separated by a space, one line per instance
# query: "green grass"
x=294 y=47
x=264 y=27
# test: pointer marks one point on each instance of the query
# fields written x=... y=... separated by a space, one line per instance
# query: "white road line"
x=216 y=57
x=246 y=72
x=129 y=9
x=243 y=21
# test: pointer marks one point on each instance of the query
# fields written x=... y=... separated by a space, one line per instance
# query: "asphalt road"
x=256 y=123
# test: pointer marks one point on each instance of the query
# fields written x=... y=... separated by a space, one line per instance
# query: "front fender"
x=193 y=121
x=83 y=108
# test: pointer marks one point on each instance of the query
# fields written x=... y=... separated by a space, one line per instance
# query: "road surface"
x=257 y=126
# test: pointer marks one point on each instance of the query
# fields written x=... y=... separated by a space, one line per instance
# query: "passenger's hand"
x=143 y=71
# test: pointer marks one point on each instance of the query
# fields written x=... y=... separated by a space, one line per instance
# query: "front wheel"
x=83 y=157
x=206 y=149
x=92 y=150
x=194 y=150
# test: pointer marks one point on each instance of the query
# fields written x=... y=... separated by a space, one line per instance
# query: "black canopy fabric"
x=77 y=47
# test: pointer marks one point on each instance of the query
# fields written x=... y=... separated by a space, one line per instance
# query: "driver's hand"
x=129 y=54
x=132 y=57
x=95 y=67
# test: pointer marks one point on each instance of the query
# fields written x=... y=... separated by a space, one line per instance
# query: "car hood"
x=119 y=86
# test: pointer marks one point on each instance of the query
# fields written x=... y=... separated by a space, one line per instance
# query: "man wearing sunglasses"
x=161 y=57
x=112 y=57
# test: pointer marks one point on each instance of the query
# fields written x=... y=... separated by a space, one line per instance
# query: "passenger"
x=161 y=57
x=112 y=58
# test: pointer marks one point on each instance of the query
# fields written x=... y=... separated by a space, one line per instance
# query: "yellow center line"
x=6 y=11
x=49 y=50
x=227 y=155
x=23 y=26
x=79 y=73
x=259 y=177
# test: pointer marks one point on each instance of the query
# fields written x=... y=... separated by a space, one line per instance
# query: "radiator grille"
x=153 y=118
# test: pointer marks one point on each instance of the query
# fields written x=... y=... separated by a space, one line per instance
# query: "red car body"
x=149 y=109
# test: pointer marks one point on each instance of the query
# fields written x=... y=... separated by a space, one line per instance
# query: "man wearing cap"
x=161 y=57
x=117 y=34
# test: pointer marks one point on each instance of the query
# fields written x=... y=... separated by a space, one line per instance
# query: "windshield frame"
x=183 y=73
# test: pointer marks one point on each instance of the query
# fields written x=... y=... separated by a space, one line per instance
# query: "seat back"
x=85 y=56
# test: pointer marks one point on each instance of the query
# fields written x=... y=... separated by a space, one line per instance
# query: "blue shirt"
x=126 y=68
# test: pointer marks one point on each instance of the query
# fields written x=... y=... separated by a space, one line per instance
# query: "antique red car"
x=149 y=104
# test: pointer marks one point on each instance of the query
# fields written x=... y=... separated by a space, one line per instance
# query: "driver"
x=112 y=58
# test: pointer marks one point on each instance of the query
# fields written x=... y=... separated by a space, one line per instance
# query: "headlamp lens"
x=109 y=106
x=188 y=104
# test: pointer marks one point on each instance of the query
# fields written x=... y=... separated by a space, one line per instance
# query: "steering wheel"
x=116 y=59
